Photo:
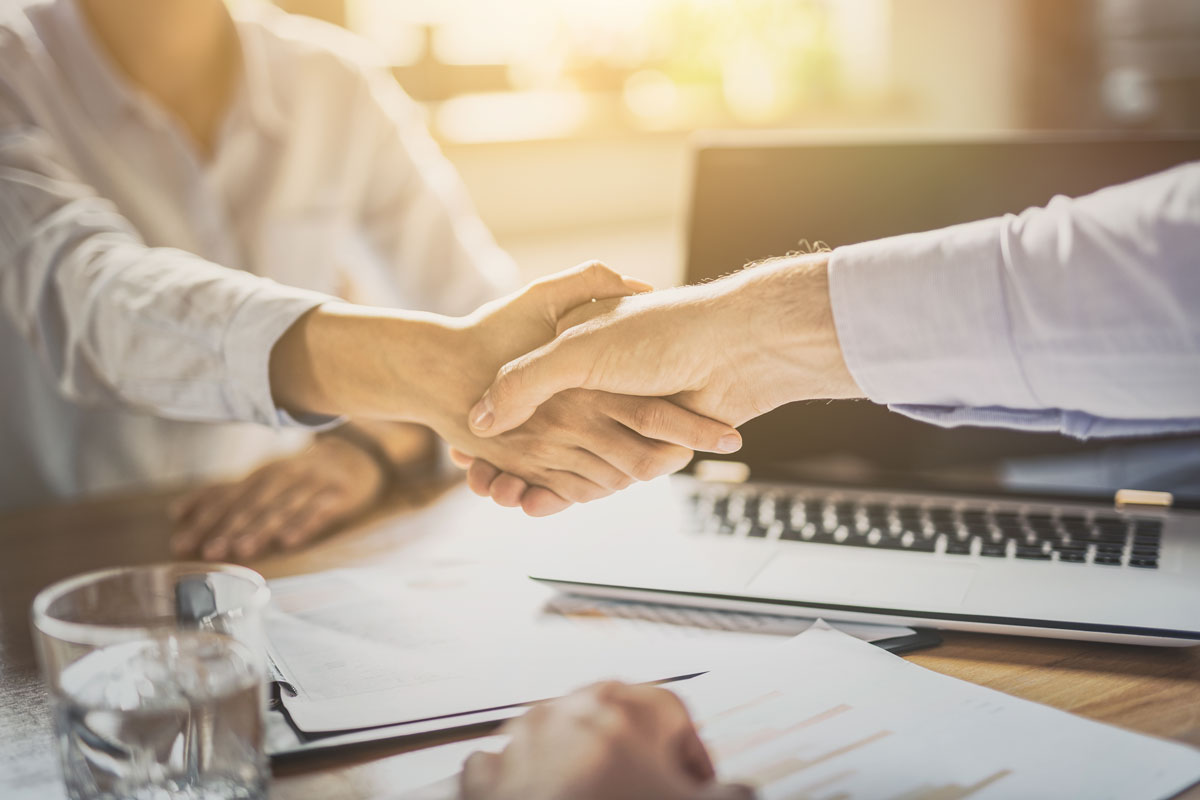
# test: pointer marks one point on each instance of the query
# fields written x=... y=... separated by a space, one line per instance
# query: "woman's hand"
x=606 y=741
x=285 y=503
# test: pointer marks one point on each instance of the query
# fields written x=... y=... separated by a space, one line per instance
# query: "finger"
x=538 y=501
x=583 y=283
x=182 y=507
x=270 y=524
x=226 y=500
x=479 y=776
x=211 y=508
x=507 y=489
x=694 y=755
x=572 y=487
x=526 y=382
x=311 y=520
x=639 y=457
x=460 y=459
x=586 y=464
x=662 y=420
x=253 y=504
x=480 y=475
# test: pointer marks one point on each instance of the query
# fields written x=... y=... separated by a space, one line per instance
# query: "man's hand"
x=285 y=503
x=728 y=350
x=604 y=742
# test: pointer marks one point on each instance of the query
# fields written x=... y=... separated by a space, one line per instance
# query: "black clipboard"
x=286 y=743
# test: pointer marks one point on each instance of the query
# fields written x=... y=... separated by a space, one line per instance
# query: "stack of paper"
x=368 y=648
x=826 y=717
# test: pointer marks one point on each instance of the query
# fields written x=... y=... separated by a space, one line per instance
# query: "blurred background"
x=570 y=119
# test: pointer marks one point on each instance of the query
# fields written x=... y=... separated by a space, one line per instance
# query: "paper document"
x=826 y=717
x=367 y=648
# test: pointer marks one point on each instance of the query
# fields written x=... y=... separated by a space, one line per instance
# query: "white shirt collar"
x=109 y=96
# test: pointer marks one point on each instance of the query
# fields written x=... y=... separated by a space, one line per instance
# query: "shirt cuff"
x=1071 y=423
x=922 y=319
x=257 y=324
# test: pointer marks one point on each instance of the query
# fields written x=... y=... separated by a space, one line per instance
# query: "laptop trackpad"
x=797 y=576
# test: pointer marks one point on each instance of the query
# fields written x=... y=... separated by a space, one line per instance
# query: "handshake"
x=581 y=383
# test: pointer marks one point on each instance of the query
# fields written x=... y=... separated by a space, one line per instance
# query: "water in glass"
x=178 y=715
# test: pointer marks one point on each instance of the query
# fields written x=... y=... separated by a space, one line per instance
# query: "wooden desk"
x=1155 y=691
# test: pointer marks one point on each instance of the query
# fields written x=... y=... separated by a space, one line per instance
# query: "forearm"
x=374 y=363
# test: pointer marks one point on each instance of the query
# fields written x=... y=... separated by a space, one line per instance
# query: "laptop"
x=848 y=511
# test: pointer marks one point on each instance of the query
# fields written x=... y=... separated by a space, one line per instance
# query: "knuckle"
x=596 y=270
x=597 y=493
x=605 y=692
x=647 y=466
x=673 y=458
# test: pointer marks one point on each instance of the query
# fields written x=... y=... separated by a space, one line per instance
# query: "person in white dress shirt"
x=1081 y=318
x=178 y=188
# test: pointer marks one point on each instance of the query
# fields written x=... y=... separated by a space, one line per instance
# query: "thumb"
x=526 y=382
x=479 y=776
x=583 y=283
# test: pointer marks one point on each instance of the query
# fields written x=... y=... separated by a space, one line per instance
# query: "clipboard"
x=286 y=743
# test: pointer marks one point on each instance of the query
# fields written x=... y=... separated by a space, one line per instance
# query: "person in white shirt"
x=1082 y=317
x=178 y=188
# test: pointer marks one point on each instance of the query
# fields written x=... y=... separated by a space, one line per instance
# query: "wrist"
x=789 y=336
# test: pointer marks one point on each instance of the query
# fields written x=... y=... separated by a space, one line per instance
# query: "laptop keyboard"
x=958 y=529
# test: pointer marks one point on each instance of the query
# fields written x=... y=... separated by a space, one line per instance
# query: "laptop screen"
x=757 y=197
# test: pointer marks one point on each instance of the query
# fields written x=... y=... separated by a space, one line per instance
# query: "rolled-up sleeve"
x=115 y=321
x=1080 y=317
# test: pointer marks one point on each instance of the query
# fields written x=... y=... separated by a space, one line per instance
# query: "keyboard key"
x=993 y=550
x=1072 y=556
x=923 y=546
x=1144 y=563
x=958 y=548
x=1107 y=560
x=1147 y=527
x=1032 y=553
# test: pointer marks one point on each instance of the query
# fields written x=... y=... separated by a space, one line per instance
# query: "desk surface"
x=1155 y=691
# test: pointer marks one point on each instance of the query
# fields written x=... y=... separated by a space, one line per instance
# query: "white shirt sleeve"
x=115 y=321
x=1082 y=317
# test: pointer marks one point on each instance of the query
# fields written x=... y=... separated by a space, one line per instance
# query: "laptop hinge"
x=1141 y=497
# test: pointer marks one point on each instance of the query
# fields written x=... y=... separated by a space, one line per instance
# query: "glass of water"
x=156 y=678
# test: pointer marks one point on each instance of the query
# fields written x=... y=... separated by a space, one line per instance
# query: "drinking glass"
x=156 y=679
